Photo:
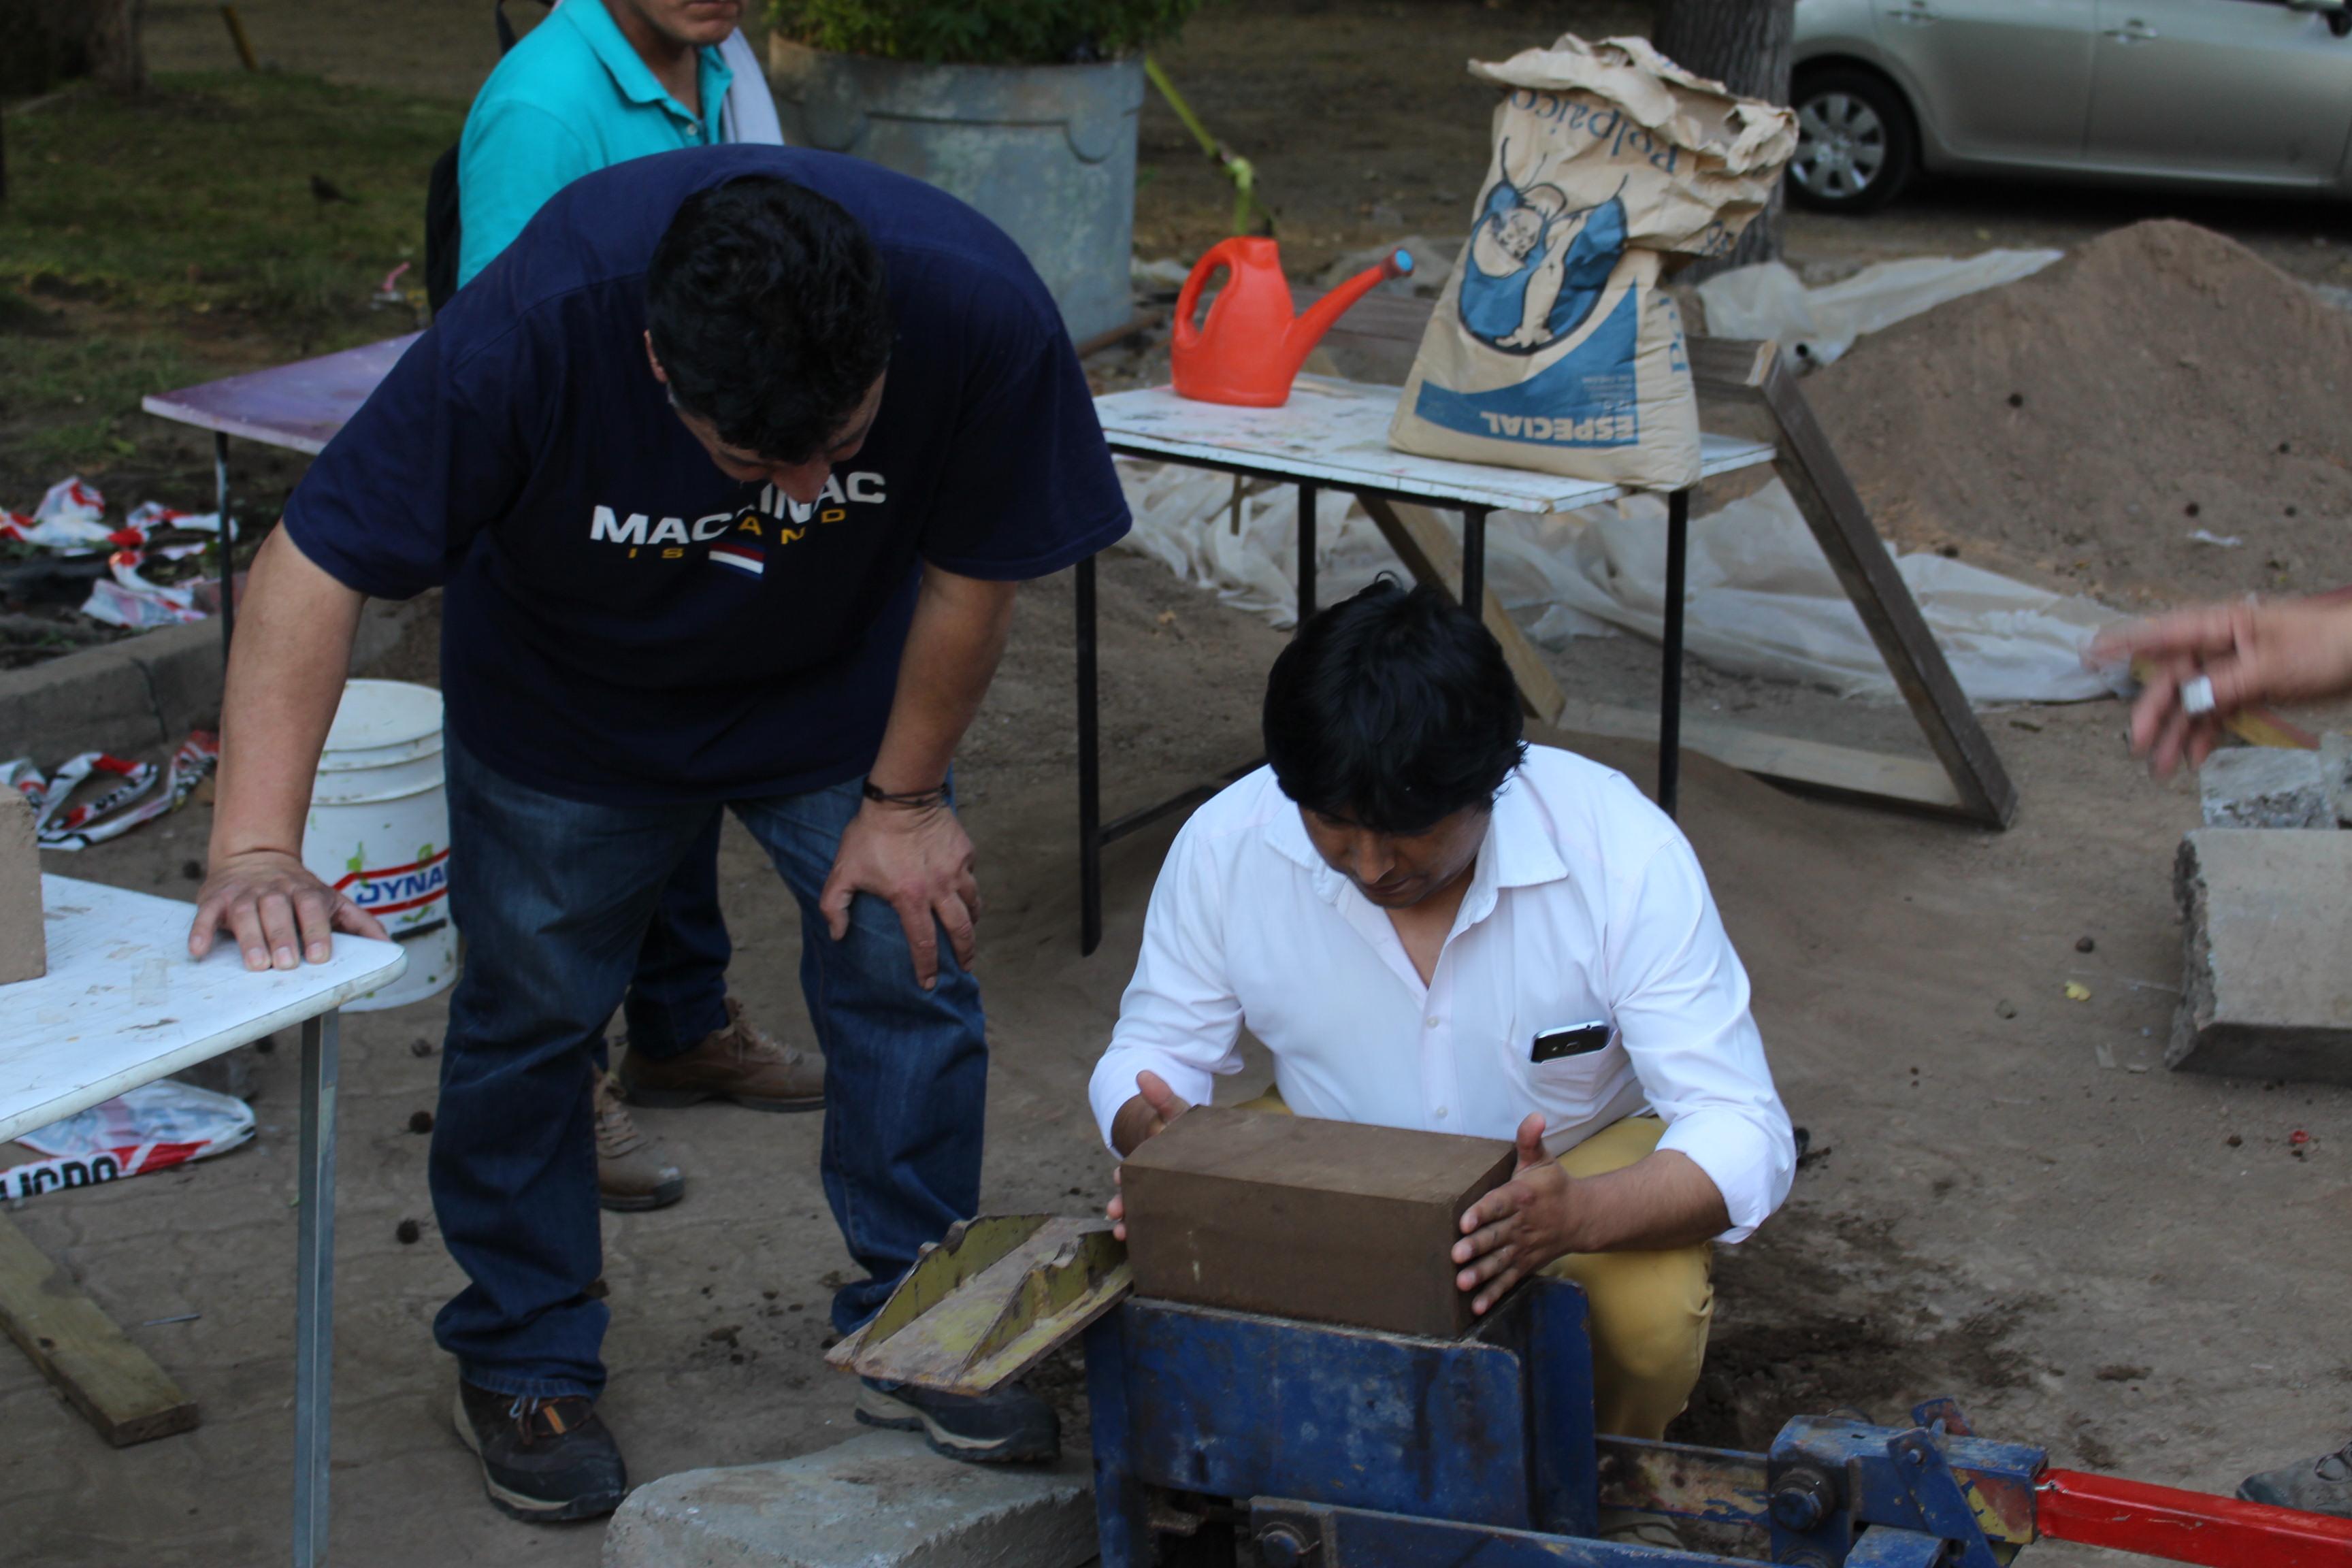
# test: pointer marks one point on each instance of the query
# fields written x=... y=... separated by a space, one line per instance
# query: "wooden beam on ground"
x=1425 y=544
x=76 y=1346
x=1786 y=759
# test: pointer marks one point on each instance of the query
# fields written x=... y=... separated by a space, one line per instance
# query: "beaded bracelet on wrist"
x=916 y=800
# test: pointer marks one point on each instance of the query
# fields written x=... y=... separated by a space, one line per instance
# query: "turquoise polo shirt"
x=571 y=97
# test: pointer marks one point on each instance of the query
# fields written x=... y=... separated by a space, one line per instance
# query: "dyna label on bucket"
x=378 y=830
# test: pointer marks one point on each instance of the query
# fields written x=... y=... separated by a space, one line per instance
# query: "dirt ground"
x=2009 y=1199
x=2024 y=1211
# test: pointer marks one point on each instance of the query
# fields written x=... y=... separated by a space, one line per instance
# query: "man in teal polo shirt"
x=598 y=83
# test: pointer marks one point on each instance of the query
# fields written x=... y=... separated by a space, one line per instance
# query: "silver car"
x=2251 y=95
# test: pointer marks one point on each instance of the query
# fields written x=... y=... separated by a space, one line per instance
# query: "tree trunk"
x=116 y=56
x=1746 y=46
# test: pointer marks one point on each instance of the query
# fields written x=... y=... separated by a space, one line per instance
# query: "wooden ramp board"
x=125 y=1394
x=1784 y=759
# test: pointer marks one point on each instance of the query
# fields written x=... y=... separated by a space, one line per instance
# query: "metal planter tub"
x=1046 y=152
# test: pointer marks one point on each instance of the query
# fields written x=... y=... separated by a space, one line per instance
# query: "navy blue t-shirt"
x=622 y=621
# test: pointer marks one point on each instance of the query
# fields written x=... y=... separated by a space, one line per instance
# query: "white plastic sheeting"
x=1818 y=325
x=1762 y=600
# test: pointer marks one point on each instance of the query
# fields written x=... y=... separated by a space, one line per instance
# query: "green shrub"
x=981 y=32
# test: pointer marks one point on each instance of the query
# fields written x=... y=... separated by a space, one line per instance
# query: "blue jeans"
x=554 y=898
x=677 y=993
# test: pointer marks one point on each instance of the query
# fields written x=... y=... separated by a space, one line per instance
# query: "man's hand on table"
x=278 y=913
x=1520 y=1227
x=918 y=861
x=1138 y=1121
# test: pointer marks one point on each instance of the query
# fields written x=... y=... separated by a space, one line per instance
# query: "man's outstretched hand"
x=279 y=913
x=1520 y=1227
x=918 y=862
x=1138 y=1121
x=2268 y=650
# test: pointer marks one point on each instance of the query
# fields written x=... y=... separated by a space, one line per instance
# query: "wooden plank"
x=1810 y=764
x=76 y=1346
x=1809 y=466
x=1731 y=368
x=1423 y=542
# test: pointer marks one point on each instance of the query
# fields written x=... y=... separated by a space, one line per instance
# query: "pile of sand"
x=2078 y=427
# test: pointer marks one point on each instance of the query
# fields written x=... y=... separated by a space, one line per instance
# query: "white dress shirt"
x=1586 y=905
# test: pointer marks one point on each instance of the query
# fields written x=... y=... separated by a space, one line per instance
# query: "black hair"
x=1393 y=710
x=769 y=311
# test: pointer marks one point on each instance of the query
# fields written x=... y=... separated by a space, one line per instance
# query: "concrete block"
x=24 y=939
x=2265 y=989
x=2335 y=775
x=875 y=1502
x=1331 y=1221
x=2264 y=786
x=183 y=665
x=94 y=700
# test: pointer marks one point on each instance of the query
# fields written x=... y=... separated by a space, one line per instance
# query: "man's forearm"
x=1659 y=1201
x=286 y=674
x=953 y=649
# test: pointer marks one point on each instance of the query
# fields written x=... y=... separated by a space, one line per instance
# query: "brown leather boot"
x=741 y=1062
x=631 y=1174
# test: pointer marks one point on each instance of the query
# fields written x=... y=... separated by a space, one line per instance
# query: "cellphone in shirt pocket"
x=1564 y=1040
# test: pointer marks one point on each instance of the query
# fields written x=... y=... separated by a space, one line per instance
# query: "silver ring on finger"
x=2197 y=696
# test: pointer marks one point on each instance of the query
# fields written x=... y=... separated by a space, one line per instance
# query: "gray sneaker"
x=2315 y=1486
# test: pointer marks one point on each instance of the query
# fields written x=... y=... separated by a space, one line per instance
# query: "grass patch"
x=80 y=394
x=199 y=200
x=149 y=243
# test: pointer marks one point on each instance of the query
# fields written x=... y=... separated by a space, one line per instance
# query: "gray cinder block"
x=2335 y=775
x=2266 y=983
x=2264 y=786
x=875 y=1502
x=24 y=940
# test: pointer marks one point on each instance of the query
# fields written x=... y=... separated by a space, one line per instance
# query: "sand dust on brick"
x=2079 y=427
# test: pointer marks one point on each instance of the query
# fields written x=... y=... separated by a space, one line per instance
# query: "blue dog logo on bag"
x=1533 y=282
x=1535 y=270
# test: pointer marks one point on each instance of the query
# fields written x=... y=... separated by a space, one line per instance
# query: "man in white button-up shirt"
x=1430 y=924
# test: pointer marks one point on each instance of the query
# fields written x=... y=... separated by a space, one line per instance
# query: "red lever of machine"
x=2184 y=1526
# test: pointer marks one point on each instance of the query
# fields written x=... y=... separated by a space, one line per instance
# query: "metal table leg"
x=1307 y=496
x=314 y=1289
x=1474 y=560
x=1089 y=771
x=1670 y=693
x=228 y=542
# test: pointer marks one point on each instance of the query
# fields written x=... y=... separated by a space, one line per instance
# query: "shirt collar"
x=1518 y=851
x=633 y=76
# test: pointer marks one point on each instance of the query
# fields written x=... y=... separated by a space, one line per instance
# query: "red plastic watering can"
x=1252 y=344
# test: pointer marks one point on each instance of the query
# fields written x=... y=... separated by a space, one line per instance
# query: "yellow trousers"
x=1649 y=1311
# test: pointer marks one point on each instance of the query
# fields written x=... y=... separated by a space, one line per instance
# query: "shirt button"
x=1431 y=1022
x=1439 y=1113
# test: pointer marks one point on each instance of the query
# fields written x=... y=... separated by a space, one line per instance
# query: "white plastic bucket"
x=378 y=829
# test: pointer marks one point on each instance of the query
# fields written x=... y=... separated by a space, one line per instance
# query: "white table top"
x=1336 y=432
x=123 y=1004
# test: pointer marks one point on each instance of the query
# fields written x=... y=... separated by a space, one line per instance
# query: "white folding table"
x=1334 y=434
x=122 y=1005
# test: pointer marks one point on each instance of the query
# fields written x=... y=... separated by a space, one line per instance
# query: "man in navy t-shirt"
x=729 y=466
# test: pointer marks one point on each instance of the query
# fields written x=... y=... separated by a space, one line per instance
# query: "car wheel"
x=1855 y=147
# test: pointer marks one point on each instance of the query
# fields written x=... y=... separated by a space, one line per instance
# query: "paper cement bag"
x=1552 y=347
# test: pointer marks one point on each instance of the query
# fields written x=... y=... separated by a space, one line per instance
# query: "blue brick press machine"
x=1232 y=1438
